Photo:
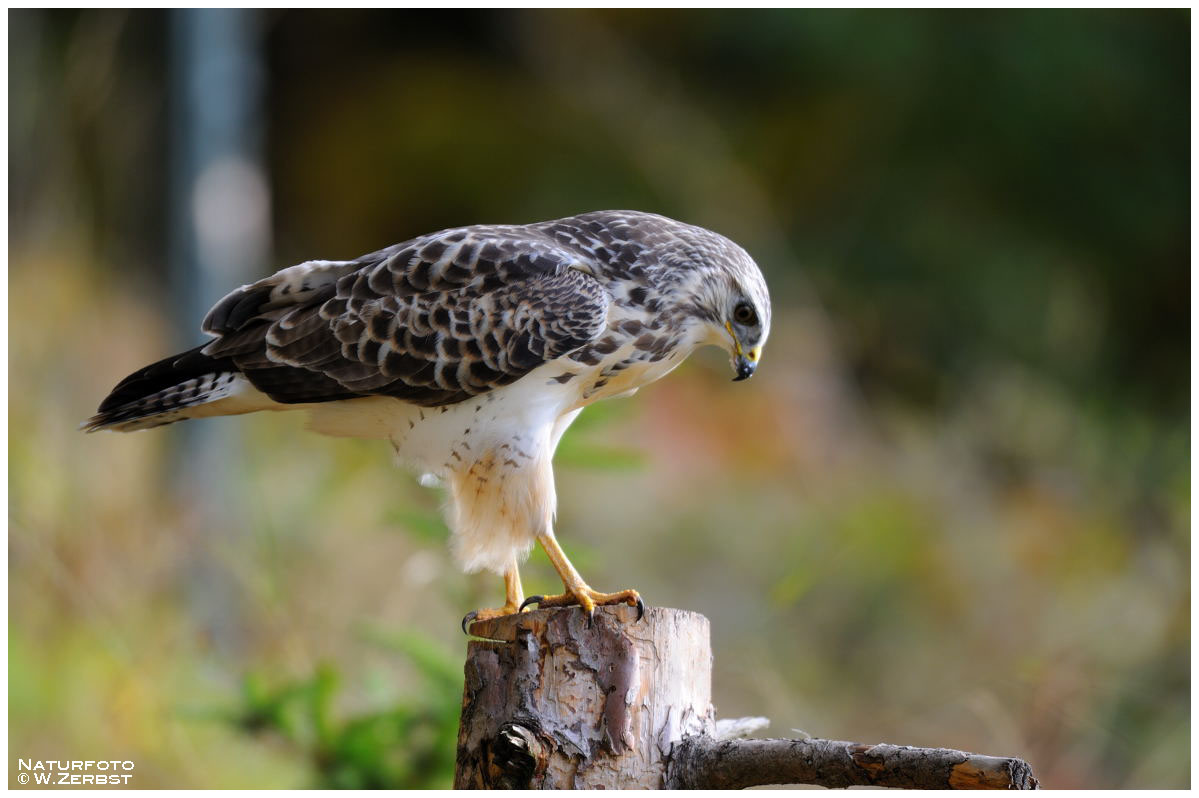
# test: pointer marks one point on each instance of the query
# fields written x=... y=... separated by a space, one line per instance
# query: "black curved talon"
x=530 y=600
x=466 y=619
x=640 y=609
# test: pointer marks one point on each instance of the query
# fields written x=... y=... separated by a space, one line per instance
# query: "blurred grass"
x=953 y=508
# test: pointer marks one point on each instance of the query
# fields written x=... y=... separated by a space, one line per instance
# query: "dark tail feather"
x=158 y=393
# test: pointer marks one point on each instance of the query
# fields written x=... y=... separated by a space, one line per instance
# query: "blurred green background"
x=951 y=510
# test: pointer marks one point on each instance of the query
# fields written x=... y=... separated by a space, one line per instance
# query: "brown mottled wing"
x=433 y=321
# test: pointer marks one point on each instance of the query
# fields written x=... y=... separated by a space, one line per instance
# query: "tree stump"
x=552 y=701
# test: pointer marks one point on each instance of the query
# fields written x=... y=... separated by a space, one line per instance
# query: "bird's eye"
x=744 y=314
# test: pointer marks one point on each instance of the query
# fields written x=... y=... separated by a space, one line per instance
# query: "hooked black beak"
x=745 y=367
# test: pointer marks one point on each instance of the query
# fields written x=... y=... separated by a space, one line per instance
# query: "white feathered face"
x=734 y=314
x=725 y=293
x=747 y=328
x=746 y=318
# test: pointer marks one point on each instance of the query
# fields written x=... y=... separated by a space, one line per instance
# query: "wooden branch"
x=704 y=763
x=554 y=702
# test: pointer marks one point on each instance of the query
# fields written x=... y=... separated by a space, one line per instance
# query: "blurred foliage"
x=410 y=745
x=953 y=508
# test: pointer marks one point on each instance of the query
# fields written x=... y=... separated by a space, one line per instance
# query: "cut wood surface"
x=554 y=701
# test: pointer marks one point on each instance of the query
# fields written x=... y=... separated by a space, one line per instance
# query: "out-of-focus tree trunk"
x=220 y=239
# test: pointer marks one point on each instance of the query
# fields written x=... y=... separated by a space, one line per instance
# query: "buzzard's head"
x=728 y=296
x=747 y=333
x=744 y=315
x=705 y=284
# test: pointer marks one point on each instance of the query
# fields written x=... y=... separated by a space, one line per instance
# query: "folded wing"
x=432 y=321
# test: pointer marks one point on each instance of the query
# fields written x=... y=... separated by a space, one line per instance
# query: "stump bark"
x=552 y=701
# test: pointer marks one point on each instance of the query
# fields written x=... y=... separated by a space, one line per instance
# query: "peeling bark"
x=609 y=701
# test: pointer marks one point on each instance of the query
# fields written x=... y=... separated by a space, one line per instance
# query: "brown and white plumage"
x=471 y=350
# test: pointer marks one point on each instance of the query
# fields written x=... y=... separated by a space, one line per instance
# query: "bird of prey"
x=470 y=350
